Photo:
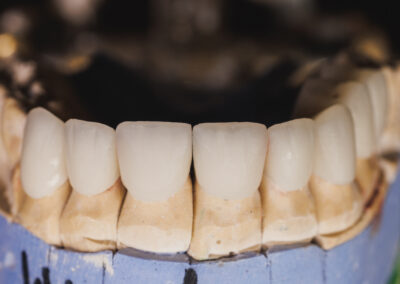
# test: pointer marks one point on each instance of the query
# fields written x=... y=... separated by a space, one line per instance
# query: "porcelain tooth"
x=91 y=156
x=154 y=158
x=43 y=167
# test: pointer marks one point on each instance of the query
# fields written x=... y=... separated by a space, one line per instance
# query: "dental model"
x=288 y=206
x=321 y=178
x=355 y=96
x=44 y=182
x=12 y=123
x=338 y=200
x=155 y=159
x=229 y=161
x=89 y=220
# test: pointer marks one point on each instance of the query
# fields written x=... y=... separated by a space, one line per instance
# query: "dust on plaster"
x=99 y=260
x=8 y=261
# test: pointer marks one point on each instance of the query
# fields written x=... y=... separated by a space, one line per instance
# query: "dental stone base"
x=13 y=123
x=371 y=211
x=338 y=206
x=42 y=216
x=367 y=174
x=289 y=217
x=222 y=227
x=89 y=223
x=160 y=227
x=367 y=258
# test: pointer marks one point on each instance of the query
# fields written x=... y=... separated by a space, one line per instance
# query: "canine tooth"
x=338 y=200
x=355 y=96
x=43 y=168
x=290 y=153
x=287 y=202
x=377 y=89
x=91 y=156
x=154 y=158
x=335 y=146
x=229 y=158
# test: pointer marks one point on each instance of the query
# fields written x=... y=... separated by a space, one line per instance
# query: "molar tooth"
x=229 y=158
x=154 y=158
x=335 y=146
x=290 y=156
x=355 y=96
x=91 y=156
x=43 y=168
x=287 y=201
x=378 y=92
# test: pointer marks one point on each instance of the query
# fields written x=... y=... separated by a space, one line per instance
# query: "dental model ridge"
x=319 y=177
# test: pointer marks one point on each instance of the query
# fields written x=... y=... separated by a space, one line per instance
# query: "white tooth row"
x=154 y=157
x=230 y=159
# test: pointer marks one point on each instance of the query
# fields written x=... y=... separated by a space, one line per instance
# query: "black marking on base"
x=68 y=282
x=25 y=269
x=37 y=281
x=190 y=276
x=46 y=275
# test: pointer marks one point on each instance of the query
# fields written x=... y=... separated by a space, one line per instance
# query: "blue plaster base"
x=368 y=258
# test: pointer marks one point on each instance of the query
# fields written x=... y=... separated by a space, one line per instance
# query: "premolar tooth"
x=154 y=158
x=43 y=168
x=290 y=156
x=378 y=92
x=335 y=155
x=355 y=96
x=91 y=156
x=229 y=158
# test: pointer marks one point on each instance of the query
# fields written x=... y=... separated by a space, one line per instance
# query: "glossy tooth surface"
x=355 y=96
x=154 y=158
x=378 y=92
x=335 y=145
x=290 y=154
x=91 y=156
x=229 y=158
x=43 y=168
